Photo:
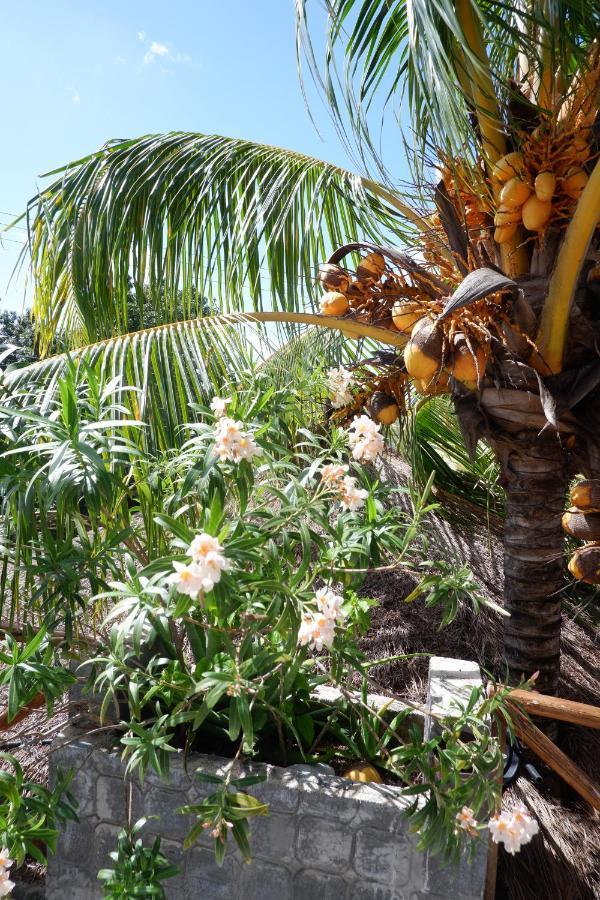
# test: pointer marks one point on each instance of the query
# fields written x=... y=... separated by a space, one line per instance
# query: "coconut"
x=536 y=213
x=514 y=193
x=585 y=526
x=585 y=564
x=504 y=233
x=333 y=278
x=405 y=314
x=505 y=216
x=431 y=387
x=545 y=185
x=334 y=303
x=586 y=495
x=467 y=361
x=383 y=408
x=363 y=772
x=508 y=166
x=581 y=148
x=372 y=267
x=424 y=351
x=574 y=183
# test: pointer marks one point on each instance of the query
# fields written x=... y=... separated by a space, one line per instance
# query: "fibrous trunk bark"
x=536 y=475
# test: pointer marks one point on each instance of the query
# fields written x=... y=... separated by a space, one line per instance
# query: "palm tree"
x=504 y=102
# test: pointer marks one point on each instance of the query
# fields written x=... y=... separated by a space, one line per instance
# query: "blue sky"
x=78 y=73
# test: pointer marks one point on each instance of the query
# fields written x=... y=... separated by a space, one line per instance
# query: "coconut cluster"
x=540 y=184
x=582 y=521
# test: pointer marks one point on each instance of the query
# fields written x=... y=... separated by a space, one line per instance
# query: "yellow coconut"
x=574 y=183
x=431 y=387
x=334 y=303
x=505 y=216
x=405 y=314
x=585 y=564
x=545 y=185
x=371 y=267
x=536 y=213
x=585 y=495
x=333 y=278
x=508 y=166
x=504 y=233
x=383 y=408
x=468 y=361
x=363 y=772
x=423 y=353
x=514 y=193
x=585 y=526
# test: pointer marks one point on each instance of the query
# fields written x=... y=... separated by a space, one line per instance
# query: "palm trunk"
x=536 y=476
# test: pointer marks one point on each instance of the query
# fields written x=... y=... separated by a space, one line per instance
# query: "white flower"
x=351 y=497
x=5 y=860
x=317 y=630
x=332 y=474
x=338 y=385
x=232 y=443
x=364 y=438
x=513 y=828
x=329 y=604
x=202 y=545
x=6 y=885
x=218 y=406
x=466 y=820
x=188 y=578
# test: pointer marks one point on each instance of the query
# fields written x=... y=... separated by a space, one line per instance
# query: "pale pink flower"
x=329 y=603
x=188 y=578
x=364 y=438
x=466 y=820
x=513 y=828
x=6 y=885
x=232 y=443
x=316 y=630
x=351 y=497
x=332 y=474
x=5 y=860
x=338 y=385
x=219 y=406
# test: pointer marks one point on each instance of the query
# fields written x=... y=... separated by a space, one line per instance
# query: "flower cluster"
x=335 y=476
x=232 y=443
x=338 y=385
x=466 y=821
x=364 y=438
x=219 y=406
x=513 y=828
x=6 y=885
x=204 y=571
x=317 y=629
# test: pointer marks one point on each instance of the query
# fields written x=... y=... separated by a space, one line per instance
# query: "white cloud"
x=75 y=97
x=158 y=50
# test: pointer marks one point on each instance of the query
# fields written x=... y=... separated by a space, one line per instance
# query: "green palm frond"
x=189 y=217
x=171 y=369
x=380 y=52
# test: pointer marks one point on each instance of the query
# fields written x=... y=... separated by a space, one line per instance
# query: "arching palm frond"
x=171 y=368
x=187 y=218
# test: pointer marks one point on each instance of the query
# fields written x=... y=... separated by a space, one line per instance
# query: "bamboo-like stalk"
x=554 y=324
x=513 y=256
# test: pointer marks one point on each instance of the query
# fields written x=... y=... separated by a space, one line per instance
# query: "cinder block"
x=324 y=843
x=382 y=857
x=273 y=836
x=265 y=881
x=312 y=885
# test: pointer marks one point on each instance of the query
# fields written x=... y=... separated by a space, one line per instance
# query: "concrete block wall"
x=325 y=838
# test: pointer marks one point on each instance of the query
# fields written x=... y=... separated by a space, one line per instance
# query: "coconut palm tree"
x=498 y=307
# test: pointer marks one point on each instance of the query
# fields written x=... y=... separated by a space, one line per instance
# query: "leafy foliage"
x=30 y=814
x=138 y=870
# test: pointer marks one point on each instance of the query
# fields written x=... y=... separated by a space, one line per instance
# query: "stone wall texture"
x=326 y=838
